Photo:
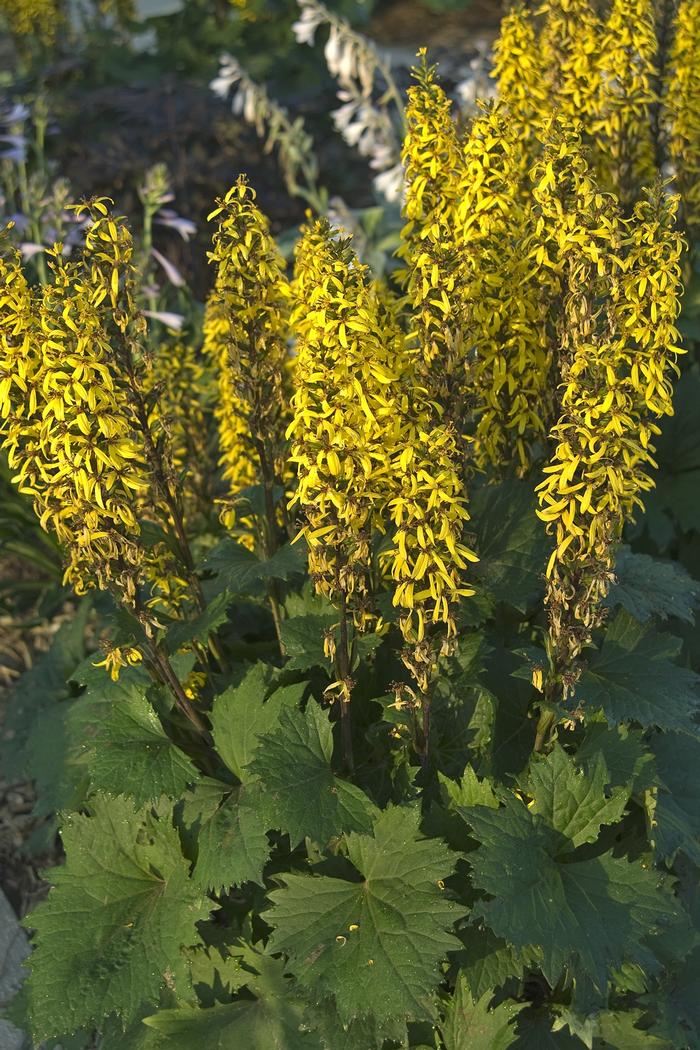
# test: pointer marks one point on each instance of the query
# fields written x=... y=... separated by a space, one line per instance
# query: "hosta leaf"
x=470 y=1025
x=648 y=587
x=571 y=800
x=110 y=933
x=241 y=715
x=232 y=844
x=133 y=755
x=510 y=541
x=302 y=795
x=677 y=810
x=633 y=679
x=374 y=944
x=594 y=912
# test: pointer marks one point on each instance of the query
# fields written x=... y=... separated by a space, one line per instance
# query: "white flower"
x=185 y=227
x=390 y=183
x=230 y=73
x=170 y=320
x=305 y=28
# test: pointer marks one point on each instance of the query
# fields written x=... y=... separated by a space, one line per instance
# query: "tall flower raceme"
x=32 y=18
x=73 y=427
x=518 y=71
x=432 y=256
x=505 y=296
x=246 y=331
x=622 y=125
x=682 y=105
x=345 y=423
x=622 y=302
x=569 y=45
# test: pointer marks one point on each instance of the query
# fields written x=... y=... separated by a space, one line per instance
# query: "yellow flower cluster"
x=343 y=412
x=371 y=453
x=623 y=281
x=431 y=156
x=683 y=105
x=246 y=332
x=76 y=419
x=605 y=66
x=26 y=18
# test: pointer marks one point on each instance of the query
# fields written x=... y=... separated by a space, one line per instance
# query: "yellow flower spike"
x=245 y=333
x=602 y=454
x=683 y=111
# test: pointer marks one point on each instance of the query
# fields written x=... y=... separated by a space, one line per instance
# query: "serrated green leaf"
x=260 y=1024
x=42 y=686
x=679 y=1005
x=595 y=912
x=375 y=945
x=109 y=935
x=232 y=844
x=628 y=761
x=241 y=572
x=469 y=791
x=647 y=587
x=303 y=640
x=677 y=810
x=242 y=714
x=273 y=1020
x=302 y=795
x=619 y=1031
x=363 y=1033
x=573 y=801
x=487 y=961
x=470 y=1025
x=200 y=627
x=632 y=679
x=534 y=1032
x=511 y=542
x=131 y=753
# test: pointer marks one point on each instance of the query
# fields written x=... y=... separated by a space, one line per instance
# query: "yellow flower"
x=39 y=18
x=569 y=46
x=118 y=656
x=622 y=123
x=344 y=412
x=620 y=310
x=519 y=74
x=246 y=332
x=683 y=109
x=431 y=156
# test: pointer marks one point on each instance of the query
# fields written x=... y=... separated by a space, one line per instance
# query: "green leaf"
x=242 y=714
x=628 y=762
x=273 y=1020
x=487 y=961
x=571 y=800
x=199 y=628
x=470 y=791
x=678 y=455
x=534 y=1032
x=39 y=688
x=133 y=755
x=109 y=935
x=232 y=843
x=511 y=542
x=677 y=810
x=302 y=795
x=632 y=679
x=594 y=913
x=375 y=944
x=240 y=571
x=470 y=1025
x=618 y=1031
x=679 y=1005
x=647 y=587
x=303 y=640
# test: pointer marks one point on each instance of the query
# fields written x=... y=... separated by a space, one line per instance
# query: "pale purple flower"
x=170 y=320
x=171 y=271
x=185 y=227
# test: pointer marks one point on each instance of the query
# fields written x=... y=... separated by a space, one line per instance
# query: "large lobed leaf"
x=111 y=931
x=375 y=943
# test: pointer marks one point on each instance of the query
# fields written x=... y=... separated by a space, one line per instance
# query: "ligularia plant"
x=377 y=737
